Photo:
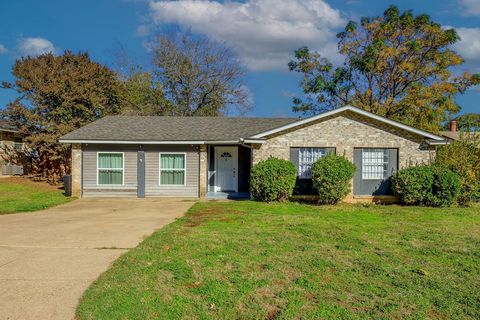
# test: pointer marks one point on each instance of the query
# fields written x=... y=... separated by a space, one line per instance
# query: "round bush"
x=331 y=177
x=413 y=185
x=273 y=180
x=426 y=186
x=446 y=187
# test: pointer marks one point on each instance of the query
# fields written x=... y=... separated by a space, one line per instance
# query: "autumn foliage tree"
x=397 y=65
x=58 y=94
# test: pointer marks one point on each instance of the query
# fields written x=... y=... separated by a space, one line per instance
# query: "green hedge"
x=463 y=158
x=433 y=186
x=331 y=177
x=273 y=180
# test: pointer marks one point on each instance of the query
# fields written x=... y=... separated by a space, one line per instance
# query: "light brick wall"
x=203 y=169
x=76 y=170
x=346 y=132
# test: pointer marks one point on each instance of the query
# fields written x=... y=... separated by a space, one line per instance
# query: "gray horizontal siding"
x=152 y=185
x=152 y=172
x=90 y=187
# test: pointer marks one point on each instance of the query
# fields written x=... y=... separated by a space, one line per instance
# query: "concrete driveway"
x=48 y=258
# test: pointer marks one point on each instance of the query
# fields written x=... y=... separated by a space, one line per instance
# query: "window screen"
x=374 y=164
x=172 y=169
x=110 y=168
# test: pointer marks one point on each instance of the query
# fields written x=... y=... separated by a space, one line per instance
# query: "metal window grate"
x=374 y=164
x=306 y=158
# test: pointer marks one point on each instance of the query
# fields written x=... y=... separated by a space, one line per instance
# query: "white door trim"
x=234 y=151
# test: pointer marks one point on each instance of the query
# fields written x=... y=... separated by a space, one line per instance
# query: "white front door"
x=226 y=163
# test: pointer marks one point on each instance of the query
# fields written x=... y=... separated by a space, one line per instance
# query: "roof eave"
x=183 y=142
x=129 y=141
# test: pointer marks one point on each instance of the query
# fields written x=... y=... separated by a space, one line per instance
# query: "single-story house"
x=212 y=156
x=10 y=138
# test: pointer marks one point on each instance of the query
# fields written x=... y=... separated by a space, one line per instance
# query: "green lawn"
x=248 y=260
x=22 y=194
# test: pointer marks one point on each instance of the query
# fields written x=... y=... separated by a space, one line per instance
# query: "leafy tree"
x=200 y=77
x=463 y=158
x=468 y=122
x=141 y=94
x=396 y=65
x=58 y=94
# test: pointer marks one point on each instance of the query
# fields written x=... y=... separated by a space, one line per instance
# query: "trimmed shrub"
x=331 y=177
x=446 y=188
x=413 y=185
x=426 y=186
x=273 y=180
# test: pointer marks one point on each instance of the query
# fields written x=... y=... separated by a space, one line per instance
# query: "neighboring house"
x=454 y=134
x=9 y=137
x=212 y=156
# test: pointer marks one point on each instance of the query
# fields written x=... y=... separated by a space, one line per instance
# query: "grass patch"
x=249 y=260
x=22 y=194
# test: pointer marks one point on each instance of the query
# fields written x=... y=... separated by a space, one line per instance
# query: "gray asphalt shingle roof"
x=145 y=128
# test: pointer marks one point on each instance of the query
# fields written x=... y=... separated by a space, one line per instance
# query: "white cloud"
x=264 y=33
x=35 y=46
x=470 y=7
x=2 y=49
x=469 y=45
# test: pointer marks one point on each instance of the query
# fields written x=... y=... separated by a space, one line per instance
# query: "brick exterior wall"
x=346 y=132
x=203 y=169
x=76 y=170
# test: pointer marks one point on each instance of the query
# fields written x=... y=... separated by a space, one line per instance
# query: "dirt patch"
x=217 y=213
x=37 y=183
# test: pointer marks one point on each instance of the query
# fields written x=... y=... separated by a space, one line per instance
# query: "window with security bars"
x=306 y=158
x=374 y=164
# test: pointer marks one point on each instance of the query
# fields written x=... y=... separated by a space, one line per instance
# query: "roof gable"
x=339 y=111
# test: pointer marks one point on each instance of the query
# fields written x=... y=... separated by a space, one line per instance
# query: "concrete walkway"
x=48 y=258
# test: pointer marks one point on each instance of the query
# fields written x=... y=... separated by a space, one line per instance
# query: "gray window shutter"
x=357 y=179
x=393 y=161
x=294 y=157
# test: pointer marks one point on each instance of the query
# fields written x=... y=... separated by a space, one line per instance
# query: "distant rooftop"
x=5 y=125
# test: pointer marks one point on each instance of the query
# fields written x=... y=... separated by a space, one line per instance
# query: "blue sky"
x=264 y=34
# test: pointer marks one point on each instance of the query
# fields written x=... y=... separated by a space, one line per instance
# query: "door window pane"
x=172 y=169
x=110 y=168
x=374 y=164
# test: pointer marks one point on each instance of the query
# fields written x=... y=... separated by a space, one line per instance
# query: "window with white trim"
x=110 y=168
x=172 y=169
x=374 y=164
x=306 y=158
